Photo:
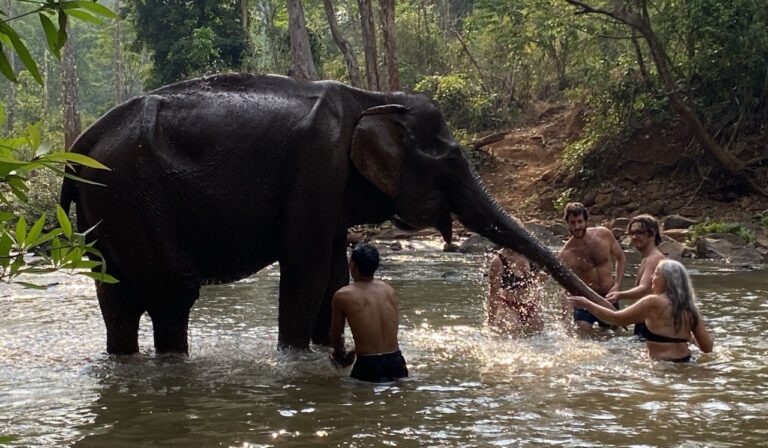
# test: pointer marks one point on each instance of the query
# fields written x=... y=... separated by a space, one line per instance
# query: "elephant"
x=215 y=178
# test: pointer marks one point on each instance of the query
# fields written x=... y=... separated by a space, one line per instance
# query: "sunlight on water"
x=469 y=385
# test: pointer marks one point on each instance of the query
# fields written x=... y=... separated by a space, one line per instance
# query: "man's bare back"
x=371 y=308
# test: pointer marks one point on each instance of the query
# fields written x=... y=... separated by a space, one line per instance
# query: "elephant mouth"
x=444 y=226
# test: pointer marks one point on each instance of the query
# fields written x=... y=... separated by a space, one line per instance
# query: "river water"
x=469 y=386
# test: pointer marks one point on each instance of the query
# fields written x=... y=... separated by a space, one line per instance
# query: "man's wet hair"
x=648 y=224
x=575 y=209
x=366 y=258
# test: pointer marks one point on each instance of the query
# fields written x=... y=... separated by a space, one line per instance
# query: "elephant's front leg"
x=338 y=277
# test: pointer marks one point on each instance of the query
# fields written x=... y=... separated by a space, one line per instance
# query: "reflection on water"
x=469 y=385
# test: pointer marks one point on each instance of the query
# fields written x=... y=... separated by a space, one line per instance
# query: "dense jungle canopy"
x=701 y=65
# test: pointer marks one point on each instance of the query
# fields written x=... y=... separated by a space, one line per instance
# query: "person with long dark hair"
x=671 y=316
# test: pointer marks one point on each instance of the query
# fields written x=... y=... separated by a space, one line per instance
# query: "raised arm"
x=634 y=313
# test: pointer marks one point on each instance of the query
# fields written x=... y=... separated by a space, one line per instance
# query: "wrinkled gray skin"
x=213 y=179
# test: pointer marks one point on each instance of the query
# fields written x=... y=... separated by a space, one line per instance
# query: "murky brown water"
x=469 y=386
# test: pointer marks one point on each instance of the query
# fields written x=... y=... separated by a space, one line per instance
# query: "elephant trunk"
x=478 y=211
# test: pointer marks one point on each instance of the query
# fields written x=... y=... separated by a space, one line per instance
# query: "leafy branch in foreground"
x=57 y=249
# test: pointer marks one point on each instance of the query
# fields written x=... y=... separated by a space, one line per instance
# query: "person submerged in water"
x=513 y=305
x=671 y=317
x=371 y=308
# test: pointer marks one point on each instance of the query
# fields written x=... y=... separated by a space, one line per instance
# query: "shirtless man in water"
x=645 y=236
x=371 y=308
x=593 y=254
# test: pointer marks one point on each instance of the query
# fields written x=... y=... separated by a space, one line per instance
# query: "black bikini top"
x=653 y=337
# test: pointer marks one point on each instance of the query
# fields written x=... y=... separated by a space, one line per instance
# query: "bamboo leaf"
x=101 y=277
x=22 y=51
x=33 y=135
x=94 y=8
x=31 y=285
x=65 y=156
x=34 y=232
x=5 y=66
x=51 y=35
x=84 y=16
x=64 y=223
x=21 y=230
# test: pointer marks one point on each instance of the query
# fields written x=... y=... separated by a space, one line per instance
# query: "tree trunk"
x=346 y=49
x=302 y=67
x=390 y=45
x=69 y=81
x=10 y=109
x=245 y=18
x=117 y=57
x=641 y=62
x=369 y=44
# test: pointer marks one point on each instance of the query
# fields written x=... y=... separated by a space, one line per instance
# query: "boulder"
x=655 y=208
x=543 y=233
x=589 y=199
x=603 y=198
x=450 y=247
x=672 y=249
x=477 y=244
x=620 y=223
x=680 y=235
x=560 y=229
x=618 y=233
x=677 y=222
x=396 y=246
x=745 y=256
x=732 y=238
x=713 y=248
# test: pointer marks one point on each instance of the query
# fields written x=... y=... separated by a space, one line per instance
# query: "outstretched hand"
x=613 y=296
x=579 y=301
x=342 y=358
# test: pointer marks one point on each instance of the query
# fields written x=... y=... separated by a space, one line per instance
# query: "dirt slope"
x=656 y=172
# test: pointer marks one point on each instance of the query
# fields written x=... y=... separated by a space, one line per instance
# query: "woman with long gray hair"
x=669 y=312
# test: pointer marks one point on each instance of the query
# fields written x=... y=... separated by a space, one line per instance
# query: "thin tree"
x=302 y=67
x=344 y=46
x=369 y=44
x=71 y=93
x=11 y=98
x=640 y=21
x=388 y=32
x=117 y=57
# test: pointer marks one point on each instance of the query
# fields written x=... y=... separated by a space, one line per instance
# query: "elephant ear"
x=378 y=144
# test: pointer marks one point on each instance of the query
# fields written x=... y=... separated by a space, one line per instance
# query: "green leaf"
x=31 y=285
x=94 y=8
x=21 y=230
x=34 y=232
x=47 y=237
x=101 y=277
x=2 y=115
x=5 y=66
x=84 y=16
x=64 y=156
x=61 y=37
x=64 y=223
x=51 y=35
x=43 y=149
x=6 y=243
x=6 y=216
x=69 y=175
x=22 y=51
x=33 y=134
x=56 y=251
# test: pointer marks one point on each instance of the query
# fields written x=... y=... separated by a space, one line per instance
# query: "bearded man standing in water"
x=371 y=308
x=592 y=253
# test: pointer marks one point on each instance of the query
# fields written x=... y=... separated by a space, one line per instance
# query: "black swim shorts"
x=381 y=368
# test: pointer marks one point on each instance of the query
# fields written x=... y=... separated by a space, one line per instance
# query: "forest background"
x=693 y=73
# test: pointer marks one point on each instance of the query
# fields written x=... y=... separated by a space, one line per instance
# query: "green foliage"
x=709 y=227
x=764 y=219
x=463 y=103
x=563 y=199
x=191 y=38
x=26 y=154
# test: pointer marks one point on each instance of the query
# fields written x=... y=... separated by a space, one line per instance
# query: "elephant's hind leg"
x=122 y=312
x=170 y=322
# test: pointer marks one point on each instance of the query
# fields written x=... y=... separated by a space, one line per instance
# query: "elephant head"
x=408 y=153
